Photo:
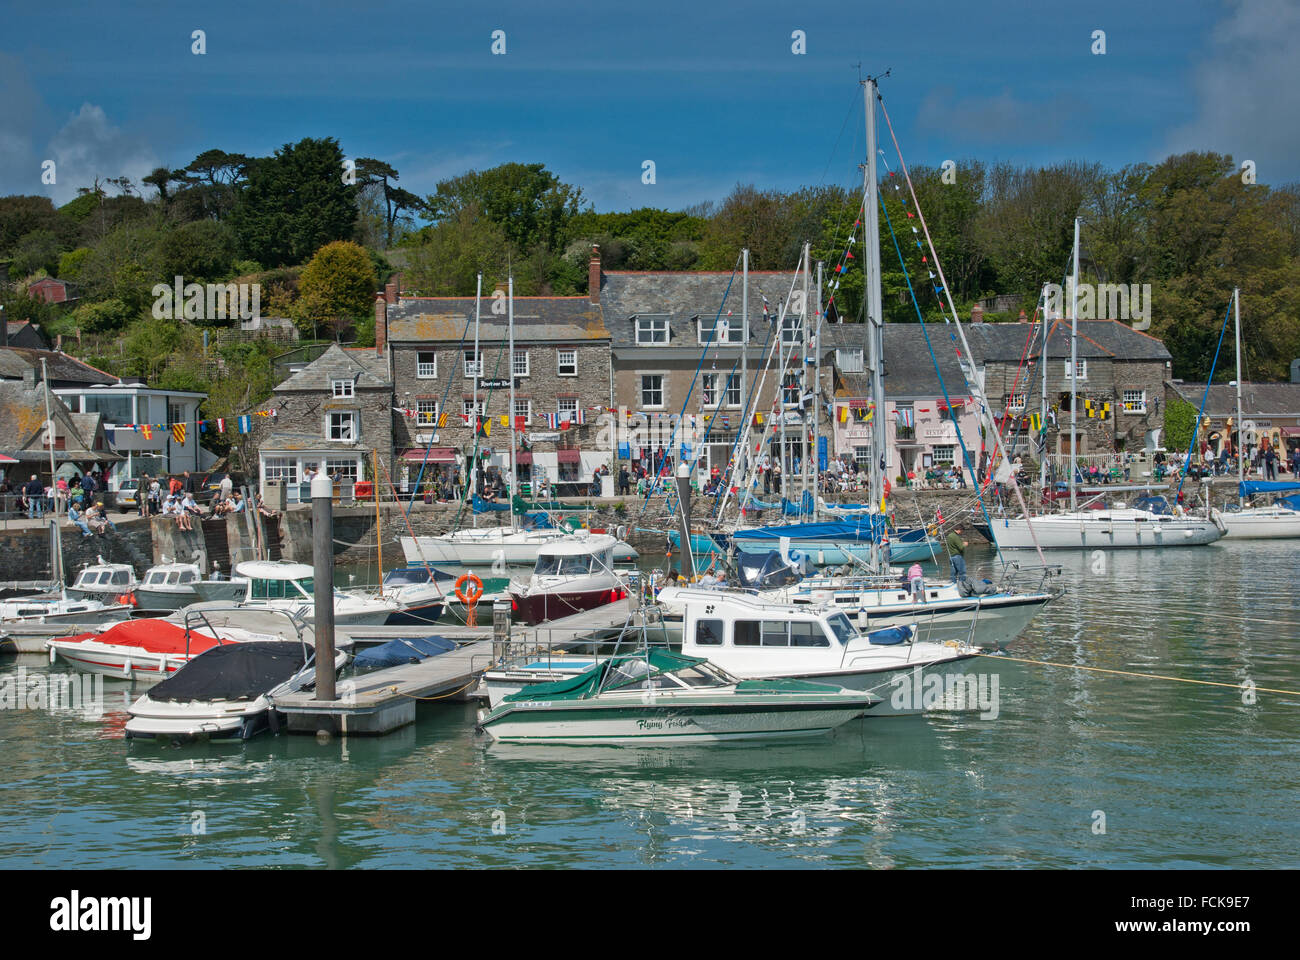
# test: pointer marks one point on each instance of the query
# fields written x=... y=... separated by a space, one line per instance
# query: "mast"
x=817 y=393
x=803 y=378
x=471 y=481
x=1042 y=408
x=510 y=429
x=49 y=435
x=737 y=467
x=875 y=321
x=1074 y=364
x=1241 y=464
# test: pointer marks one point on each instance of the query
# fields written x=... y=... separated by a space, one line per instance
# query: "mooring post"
x=684 y=516
x=322 y=555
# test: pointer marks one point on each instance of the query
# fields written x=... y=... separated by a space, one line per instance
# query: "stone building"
x=1269 y=412
x=563 y=382
x=330 y=415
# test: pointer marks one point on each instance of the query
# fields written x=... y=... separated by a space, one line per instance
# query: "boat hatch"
x=268 y=589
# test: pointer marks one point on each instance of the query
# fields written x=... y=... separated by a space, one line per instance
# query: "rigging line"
x=478 y=419
x=742 y=434
x=1134 y=673
x=979 y=391
x=437 y=415
x=935 y=360
x=1191 y=444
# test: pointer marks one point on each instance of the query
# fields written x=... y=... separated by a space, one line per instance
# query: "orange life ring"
x=475 y=591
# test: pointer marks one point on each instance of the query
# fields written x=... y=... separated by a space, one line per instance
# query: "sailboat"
x=1115 y=528
x=1276 y=521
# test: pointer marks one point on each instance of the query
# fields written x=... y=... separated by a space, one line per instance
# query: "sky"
x=714 y=95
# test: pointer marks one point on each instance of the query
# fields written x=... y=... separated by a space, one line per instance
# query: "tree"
x=295 y=203
x=38 y=250
x=449 y=255
x=338 y=283
x=201 y=251
x=396 y=200
x=526 y=202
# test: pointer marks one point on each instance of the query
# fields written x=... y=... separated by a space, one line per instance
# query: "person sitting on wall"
x=98 y=520
x=238 y=506
x=76 y=517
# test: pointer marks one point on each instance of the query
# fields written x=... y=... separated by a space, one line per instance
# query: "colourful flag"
x=245 y=424
x=178 y=432
x=221 y=424
x=582 y=417
x=442 y=420
x=146 y=430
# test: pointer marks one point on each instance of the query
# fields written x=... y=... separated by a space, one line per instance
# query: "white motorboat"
x=146 y=649
x=104 y=581
x=753 y=637
x=226 y=693
x=289 y=588
x=483 y=546
x=1118 y=528
x=658 y=698
x=46 y=607
x=1273 y=522
x=168 y=586
x=570 y=575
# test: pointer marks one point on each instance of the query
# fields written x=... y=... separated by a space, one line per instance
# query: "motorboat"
x=146 y=649
x=226 y=693
x=1279 y=520
x=570 y=575
x=107 y=582
x=168 y=586
x=757 y=638
x=1108 y=529
x=654 y=697
x=289 y=588
x=427 y=594
x=54 y=606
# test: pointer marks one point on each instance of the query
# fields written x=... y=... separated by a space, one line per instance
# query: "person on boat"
x=76 y=517
x=916 y=579
x=957 y=555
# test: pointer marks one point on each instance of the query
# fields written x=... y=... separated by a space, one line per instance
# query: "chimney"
x=1022 y=318
x=977 y=314
x=381 y=322
x=593 y=275
x=392 y=290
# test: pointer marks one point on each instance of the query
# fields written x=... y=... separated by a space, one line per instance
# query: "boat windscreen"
x=841 y=628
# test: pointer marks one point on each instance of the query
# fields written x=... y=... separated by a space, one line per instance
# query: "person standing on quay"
x=957 y=555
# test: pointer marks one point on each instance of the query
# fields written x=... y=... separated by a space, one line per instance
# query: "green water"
x=1184 y=775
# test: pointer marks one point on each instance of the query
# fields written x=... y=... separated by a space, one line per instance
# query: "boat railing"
x=1010 y=581
x=297 y=620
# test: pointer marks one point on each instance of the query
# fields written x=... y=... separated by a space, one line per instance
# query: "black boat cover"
x=394 y=653
x=233 y=671
x=762 y=570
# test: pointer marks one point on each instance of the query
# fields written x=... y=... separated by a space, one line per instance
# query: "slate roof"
x=370 y=372
x=537 y=319
x=1103 y=339
x=1257 y=399
x=22 y=419
x=64 y=370
x=625 y=294
x=909 y=370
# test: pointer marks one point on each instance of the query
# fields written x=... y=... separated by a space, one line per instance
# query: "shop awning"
x=568 y=455
x=1290 y=431
x=436 y=455
x=523 y=457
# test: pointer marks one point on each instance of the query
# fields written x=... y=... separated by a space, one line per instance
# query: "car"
x=127 y=495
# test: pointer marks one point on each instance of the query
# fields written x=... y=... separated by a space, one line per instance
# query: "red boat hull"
x=538 y=608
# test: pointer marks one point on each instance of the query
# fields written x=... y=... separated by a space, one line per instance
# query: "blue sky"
x=711 y=93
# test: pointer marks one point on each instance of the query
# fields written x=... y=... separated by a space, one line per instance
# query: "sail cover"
x=1250 y=487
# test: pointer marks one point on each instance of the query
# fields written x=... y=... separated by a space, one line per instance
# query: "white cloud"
x=89 y=146
x=1247 y=90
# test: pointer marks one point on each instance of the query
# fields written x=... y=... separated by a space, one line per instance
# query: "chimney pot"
x=593 y=275
x=977 y=314
x=381 y=323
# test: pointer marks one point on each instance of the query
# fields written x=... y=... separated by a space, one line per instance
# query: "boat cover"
x=153 y=635
x=479 y=505
x=863 y=530
x=762 y=570
x=233 y=671
x=405 y=576
x=1249 y=487
x=1157 y=505
x=394 y=653
x=804 y=507
x=1291 y=503
x=890 y=636
x=588 y=682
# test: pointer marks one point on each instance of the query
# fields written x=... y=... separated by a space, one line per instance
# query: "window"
x=343 y=471
x=1016 y=402
x=727 y=330
x=567 y=408
x=862 y=457
x=566 y=363
x=426 y=413
x=652 y=390
x=521 y=363
x=860 y=414
x=904 y=422
x=708 y=390
x=651 y=330
x=473 y=364
x=944 y=456
x=343 y=388
x=842 y=628
x=426 y=365
x=467 y=408
x=792 y=329
x=807 y=635
x=745 y=633
x=1135 y=401
x=849 y=361
x=524 y=408
x=708 y=633
x=342 y=426
x=732 y=399
x=1081 y=369
x=281 y=469
x=790 y=389
x=175 y=413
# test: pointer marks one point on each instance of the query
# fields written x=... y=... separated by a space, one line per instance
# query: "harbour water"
x=1078 y=768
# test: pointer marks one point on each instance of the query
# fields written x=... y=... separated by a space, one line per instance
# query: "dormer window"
x=720 y=330
x=651 y=330
x=344 y=388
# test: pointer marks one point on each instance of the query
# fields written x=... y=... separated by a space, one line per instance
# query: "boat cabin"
x=105 y=577
x=271 y=580
x=581 y=557
x=171 y=575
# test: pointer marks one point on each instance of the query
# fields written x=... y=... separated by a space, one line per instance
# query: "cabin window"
x=775 y=633
x=268 y=589
x=120 y=577
x=708 y=633
x=744 y=633
x=807 y=635
x=173 y=577
x=305 y=585
x=575 y=566
x=187 y=576
x=841 y=628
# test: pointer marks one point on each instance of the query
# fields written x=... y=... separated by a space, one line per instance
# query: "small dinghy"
x=225 y=693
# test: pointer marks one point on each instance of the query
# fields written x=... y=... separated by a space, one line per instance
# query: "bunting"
x=245 y=424
x=178 y=432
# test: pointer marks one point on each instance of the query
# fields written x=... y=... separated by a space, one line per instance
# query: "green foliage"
x=71 y=262
x=38 y=250
x=101 y=316
x=526 y=202
x=338 y=284
x=200 y=252
x=295 y=203
x=449 y=256
x=1180 y=423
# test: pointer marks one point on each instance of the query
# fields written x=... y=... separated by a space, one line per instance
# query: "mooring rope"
x=1133 y=673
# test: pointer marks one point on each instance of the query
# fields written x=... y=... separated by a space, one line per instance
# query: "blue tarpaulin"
x=480 y=505
x=1250 y=487
x=394 y=653
x=890 y=636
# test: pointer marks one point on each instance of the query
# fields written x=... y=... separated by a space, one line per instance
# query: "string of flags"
x=1096 y=409
x=179 y=431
